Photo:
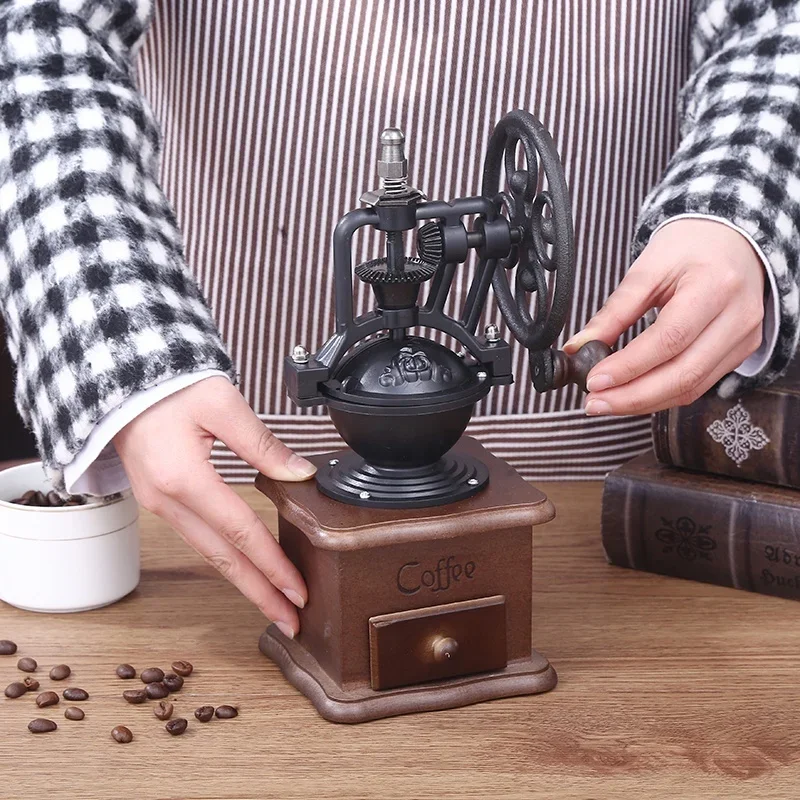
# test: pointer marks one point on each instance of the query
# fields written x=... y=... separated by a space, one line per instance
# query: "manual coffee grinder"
x=416 y=542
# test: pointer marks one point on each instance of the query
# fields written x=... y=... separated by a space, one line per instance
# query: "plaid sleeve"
x=93 y=285
x=739 y=154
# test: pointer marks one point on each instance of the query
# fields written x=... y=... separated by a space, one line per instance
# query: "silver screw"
x=300 y=354
x=481 y=376
x=392 y=163
x=462 y=352
x=473 y=481
x=333 y=462
x=492 y=333
x=364 y=495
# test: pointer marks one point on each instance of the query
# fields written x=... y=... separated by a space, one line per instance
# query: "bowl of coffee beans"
x=64 y=553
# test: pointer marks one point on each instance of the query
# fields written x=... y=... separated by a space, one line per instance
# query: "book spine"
x=754 y=438
x=701 y=535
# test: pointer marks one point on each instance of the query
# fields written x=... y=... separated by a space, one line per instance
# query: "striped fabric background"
x=271 y=112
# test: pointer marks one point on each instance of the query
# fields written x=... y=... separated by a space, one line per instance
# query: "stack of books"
x=718 y=498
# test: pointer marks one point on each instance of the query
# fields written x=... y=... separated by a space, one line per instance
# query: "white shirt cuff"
x=755 y=362
x=97 y=469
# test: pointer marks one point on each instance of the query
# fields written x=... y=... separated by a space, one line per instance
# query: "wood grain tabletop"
x=668 y=689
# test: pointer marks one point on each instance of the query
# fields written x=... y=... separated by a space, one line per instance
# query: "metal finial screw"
x=300 y=354
x=392 y=163
x=333 y=462
x=492 y=333
x=364 y=495
x=473 y=481
x=482 y=376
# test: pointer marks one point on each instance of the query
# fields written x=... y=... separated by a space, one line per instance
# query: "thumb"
x=632 y=299
x=235 y=424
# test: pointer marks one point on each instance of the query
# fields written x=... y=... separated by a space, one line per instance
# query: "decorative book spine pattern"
x=755 y=438
x=716 y=532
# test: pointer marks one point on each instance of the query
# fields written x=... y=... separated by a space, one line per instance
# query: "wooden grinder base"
x=411 y=609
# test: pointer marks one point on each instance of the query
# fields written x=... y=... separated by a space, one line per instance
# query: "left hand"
x=708 y=284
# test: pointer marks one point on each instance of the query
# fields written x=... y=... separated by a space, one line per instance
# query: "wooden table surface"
x=668 y=689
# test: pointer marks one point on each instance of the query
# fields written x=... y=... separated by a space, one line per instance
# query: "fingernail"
x=300 y=467
x=599 y=382
x=573 y=342
x=596 y=408
x=285 y=629
x=294 y=597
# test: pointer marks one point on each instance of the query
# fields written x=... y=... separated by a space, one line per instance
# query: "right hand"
x=166 y=452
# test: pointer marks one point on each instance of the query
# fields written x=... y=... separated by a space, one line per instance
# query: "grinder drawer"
x=436 y=642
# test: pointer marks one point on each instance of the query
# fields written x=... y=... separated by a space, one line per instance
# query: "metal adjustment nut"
x=492 y=333
x=300 y=354
x=392 y=162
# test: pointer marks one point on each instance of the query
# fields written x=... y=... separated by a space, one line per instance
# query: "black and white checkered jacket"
x=96 y=296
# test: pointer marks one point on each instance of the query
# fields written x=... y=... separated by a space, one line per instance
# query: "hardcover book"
x=755 y=437
x=702 y=527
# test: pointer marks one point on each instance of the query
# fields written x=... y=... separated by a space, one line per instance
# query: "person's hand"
x=708 y=283
x=166 y=453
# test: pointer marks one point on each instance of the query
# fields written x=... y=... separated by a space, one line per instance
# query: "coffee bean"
x=16 y=689
x=135 y=696
x=38 y=499
x=173 y=682
x=156 y=691
x=205 y=713
x=126 y=672
x=26 y=498
x=42 y=726
x=75 y=695
x=7 y=648
x=74 y=713
x=60 y=672
x=47 y=699
x=182 y=668
x=152 y=675
x=54 y=499
x=122 y=734
x=163 y=710
x=176 y=726
x=226 y=712
x=31 y=684
x=27 y=665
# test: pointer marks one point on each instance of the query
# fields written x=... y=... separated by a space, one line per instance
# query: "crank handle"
x=575 y=368
x=552 y=369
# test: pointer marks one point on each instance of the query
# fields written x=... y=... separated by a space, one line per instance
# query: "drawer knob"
x=444 y=648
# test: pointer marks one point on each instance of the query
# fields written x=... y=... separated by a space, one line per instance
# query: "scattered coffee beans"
x=156 y=691
x=226 y=712
x=163 y=710
x=173 y=682
x=176 y=726
x=8 y=648
x=122 y=734
x=16 y=689
x=205 y=713
x=75 y=695
x=31 y=684
x=182 y=668
x=60 y=672
x=27 y=665
x=74 y=713
x=135 y=696
x=152 y=675
x=126 y=672
x=47 y=699
x=42 y=726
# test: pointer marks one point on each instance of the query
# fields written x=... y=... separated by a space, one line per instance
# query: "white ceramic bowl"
x=71 y=558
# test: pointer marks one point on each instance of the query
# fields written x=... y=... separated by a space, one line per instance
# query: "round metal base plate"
x=349 y=479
